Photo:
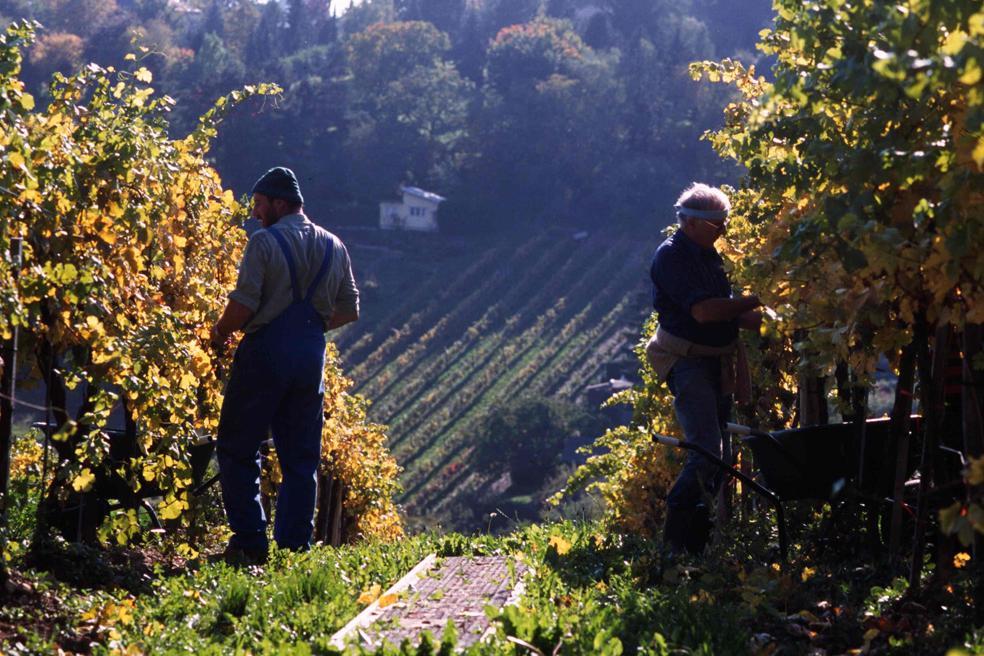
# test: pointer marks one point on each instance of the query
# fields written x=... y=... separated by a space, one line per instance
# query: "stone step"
x=437 y=591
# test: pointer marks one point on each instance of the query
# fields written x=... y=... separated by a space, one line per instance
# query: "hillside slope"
x=452 y=328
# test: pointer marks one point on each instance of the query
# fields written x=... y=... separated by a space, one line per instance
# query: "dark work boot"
x=699 y=529
x=675 y=531
x=240 y=557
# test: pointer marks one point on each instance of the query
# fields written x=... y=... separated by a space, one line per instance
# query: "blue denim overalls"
x=276 y=382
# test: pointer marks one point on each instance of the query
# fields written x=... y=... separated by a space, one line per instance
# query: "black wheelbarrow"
x=79 y=515
x=815 y=462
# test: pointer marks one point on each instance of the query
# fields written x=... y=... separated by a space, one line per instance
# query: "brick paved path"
x=435 y=591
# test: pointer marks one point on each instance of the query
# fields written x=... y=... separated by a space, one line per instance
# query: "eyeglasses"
x=715 y=225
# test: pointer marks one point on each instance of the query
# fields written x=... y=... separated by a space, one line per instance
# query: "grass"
x=589 y=592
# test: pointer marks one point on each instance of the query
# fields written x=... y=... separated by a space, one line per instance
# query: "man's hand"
x=339 y=319
x=723 y=309
x=750 y=320
x=233 y=318
x=217 y=340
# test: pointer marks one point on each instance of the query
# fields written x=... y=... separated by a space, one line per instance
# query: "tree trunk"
x=57 y=393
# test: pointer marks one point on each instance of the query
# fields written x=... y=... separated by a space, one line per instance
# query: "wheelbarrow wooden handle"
x=667 y=441
x=769 y=495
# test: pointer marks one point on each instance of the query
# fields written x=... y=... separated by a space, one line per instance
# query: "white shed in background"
x=417 y=211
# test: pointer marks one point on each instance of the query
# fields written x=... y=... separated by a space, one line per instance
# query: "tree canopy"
x=552 y=111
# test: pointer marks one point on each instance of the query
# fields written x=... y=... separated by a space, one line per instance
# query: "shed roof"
x=420 y=193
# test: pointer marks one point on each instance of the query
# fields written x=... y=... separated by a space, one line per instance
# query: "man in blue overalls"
x=295 y=282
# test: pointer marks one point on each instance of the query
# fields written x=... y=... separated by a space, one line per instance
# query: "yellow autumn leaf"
x=83 y=482
x=16 y=159
x=185 y=550
x=370 y=595
x=135 y=257
x=961 y=559
x=561 y=545
x=972 y=73
x=180 y=241
x=954 y=42
x=124 y=612
x=100 y=356
x=95 y=325
x=106 y=234
x=172 y=508
x=388 y=600
x=29 y=196
x=978 y=153
x=808 y=573
x=143 y=75
x=27 y=101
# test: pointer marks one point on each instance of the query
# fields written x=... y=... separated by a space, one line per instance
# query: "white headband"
x=712 y=215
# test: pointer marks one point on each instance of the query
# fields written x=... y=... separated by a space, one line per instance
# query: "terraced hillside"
x=450 y=329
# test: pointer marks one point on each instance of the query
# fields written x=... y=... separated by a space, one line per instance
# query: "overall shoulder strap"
x=325 y=264
x=282 y=241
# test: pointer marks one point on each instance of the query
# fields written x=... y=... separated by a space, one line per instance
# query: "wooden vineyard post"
x=812 y=400
x=8 y=380
x=899 y=431
x=7 y=383
x=329 y=526
x=931 y=365
x=972 y=420
x=325 y=486
x=972 y=393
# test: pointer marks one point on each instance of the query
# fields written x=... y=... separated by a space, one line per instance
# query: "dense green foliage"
x=526 y=436
x=560 y=110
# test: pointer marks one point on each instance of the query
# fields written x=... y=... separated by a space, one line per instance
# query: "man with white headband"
x=696 y=350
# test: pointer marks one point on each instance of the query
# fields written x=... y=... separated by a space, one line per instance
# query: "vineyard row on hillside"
x=437 y=365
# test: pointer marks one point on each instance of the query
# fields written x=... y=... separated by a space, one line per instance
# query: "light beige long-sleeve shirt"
x=264 y=277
